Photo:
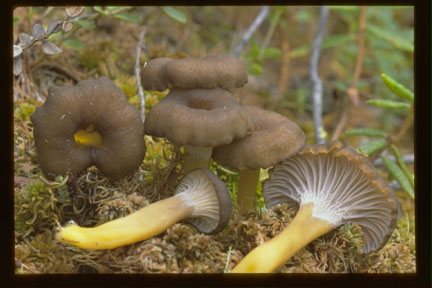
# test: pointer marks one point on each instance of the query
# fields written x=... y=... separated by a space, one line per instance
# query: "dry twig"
x=262 y=15
x=352 y=90
x=317 y=91
x=138 y=72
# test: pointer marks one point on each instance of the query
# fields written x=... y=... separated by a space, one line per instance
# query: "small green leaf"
x=16 y=20
x=129 y=17
x=175 y=14
x=372 y=146
x=113 y=8
x=74 y=44
x=86 y=24
x=397 y=174
x=272 y=53
x=397 y=88
x=302 y=16
x=402 y=164
x=389 y=104
x=366 y=132
x=255 y=69
x=391 y=37
x=100 y=10
x=344 y=8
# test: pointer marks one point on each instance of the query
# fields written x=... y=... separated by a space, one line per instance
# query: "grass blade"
x=397 y=88
x=402 y=164
x=366 y=132
x=399 y=175
x=389 y=104
x=372 y=146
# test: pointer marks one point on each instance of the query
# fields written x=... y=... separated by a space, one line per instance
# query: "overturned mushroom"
x=274 y=138
x=332 y=185
x=89 y=123
x=198 y=119
x=214 y=71
x=201 y=198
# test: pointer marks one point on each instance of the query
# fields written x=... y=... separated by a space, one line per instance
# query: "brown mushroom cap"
x=274 y=138
x=97 y=103
x=198 y=117
x=210 y=198
x=153 y=74
x=215 y=71
x=343 y=186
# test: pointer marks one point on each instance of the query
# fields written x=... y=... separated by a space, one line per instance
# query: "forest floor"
x=90 y=198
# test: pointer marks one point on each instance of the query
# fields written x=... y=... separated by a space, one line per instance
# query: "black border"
x=422 y=149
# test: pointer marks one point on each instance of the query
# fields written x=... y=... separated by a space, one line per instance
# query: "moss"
x=23 y=111
x=91 y=56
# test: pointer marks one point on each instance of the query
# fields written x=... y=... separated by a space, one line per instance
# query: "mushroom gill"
x=332 y=185
x=201 y=198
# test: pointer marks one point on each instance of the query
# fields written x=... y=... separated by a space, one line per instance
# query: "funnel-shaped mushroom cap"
x=343 y=186
x=214 y=71
x=94 y=106
x=198 y=117
x=210 y=198
x=274 y=138
x=153 y=74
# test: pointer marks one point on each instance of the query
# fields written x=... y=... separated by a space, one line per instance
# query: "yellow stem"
x=247 y=189
x=140 y=225
x=302 y=230
x=196 y=157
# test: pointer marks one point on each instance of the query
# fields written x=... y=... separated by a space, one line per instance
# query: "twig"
x=270 y=32
x=228 y=260
x=316 y=81
x=262 y=15
x=352 y=90
x=408 y=159
x=406 y=125
x=138 y=73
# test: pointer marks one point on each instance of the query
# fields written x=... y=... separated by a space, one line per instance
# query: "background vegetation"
x=370 y=111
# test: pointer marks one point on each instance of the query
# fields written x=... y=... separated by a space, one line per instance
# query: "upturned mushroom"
x=198 y=119
x=214 y=71
x=91 y=123
x=332 y=184
x=201 y=198
x=274 y=138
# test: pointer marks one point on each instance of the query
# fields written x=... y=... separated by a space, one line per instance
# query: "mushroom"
x=201 y=198
x=153 y=74
x=332 y=184
x=274 y=138
x=214 y=71
x=198 y=119
x=90 y=123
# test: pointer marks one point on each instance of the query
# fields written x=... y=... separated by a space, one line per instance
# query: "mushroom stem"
x=303 y=229
x=196 y=157
x=140 y=225
x=247 y=188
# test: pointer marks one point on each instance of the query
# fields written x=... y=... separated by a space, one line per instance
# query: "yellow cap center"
x=88 y=137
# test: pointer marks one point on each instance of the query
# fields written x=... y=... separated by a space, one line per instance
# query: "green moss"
x=23 y=111
x=91 y=56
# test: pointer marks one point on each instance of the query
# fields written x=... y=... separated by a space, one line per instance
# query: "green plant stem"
x=406 y=125
x=270 y=32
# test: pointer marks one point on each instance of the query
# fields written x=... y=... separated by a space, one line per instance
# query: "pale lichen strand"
x=340 y=191
x=198 y=191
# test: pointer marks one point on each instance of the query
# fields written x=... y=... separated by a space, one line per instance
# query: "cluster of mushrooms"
x=92 y=123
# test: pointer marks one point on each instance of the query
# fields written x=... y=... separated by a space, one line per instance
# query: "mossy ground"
x=90 y=198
